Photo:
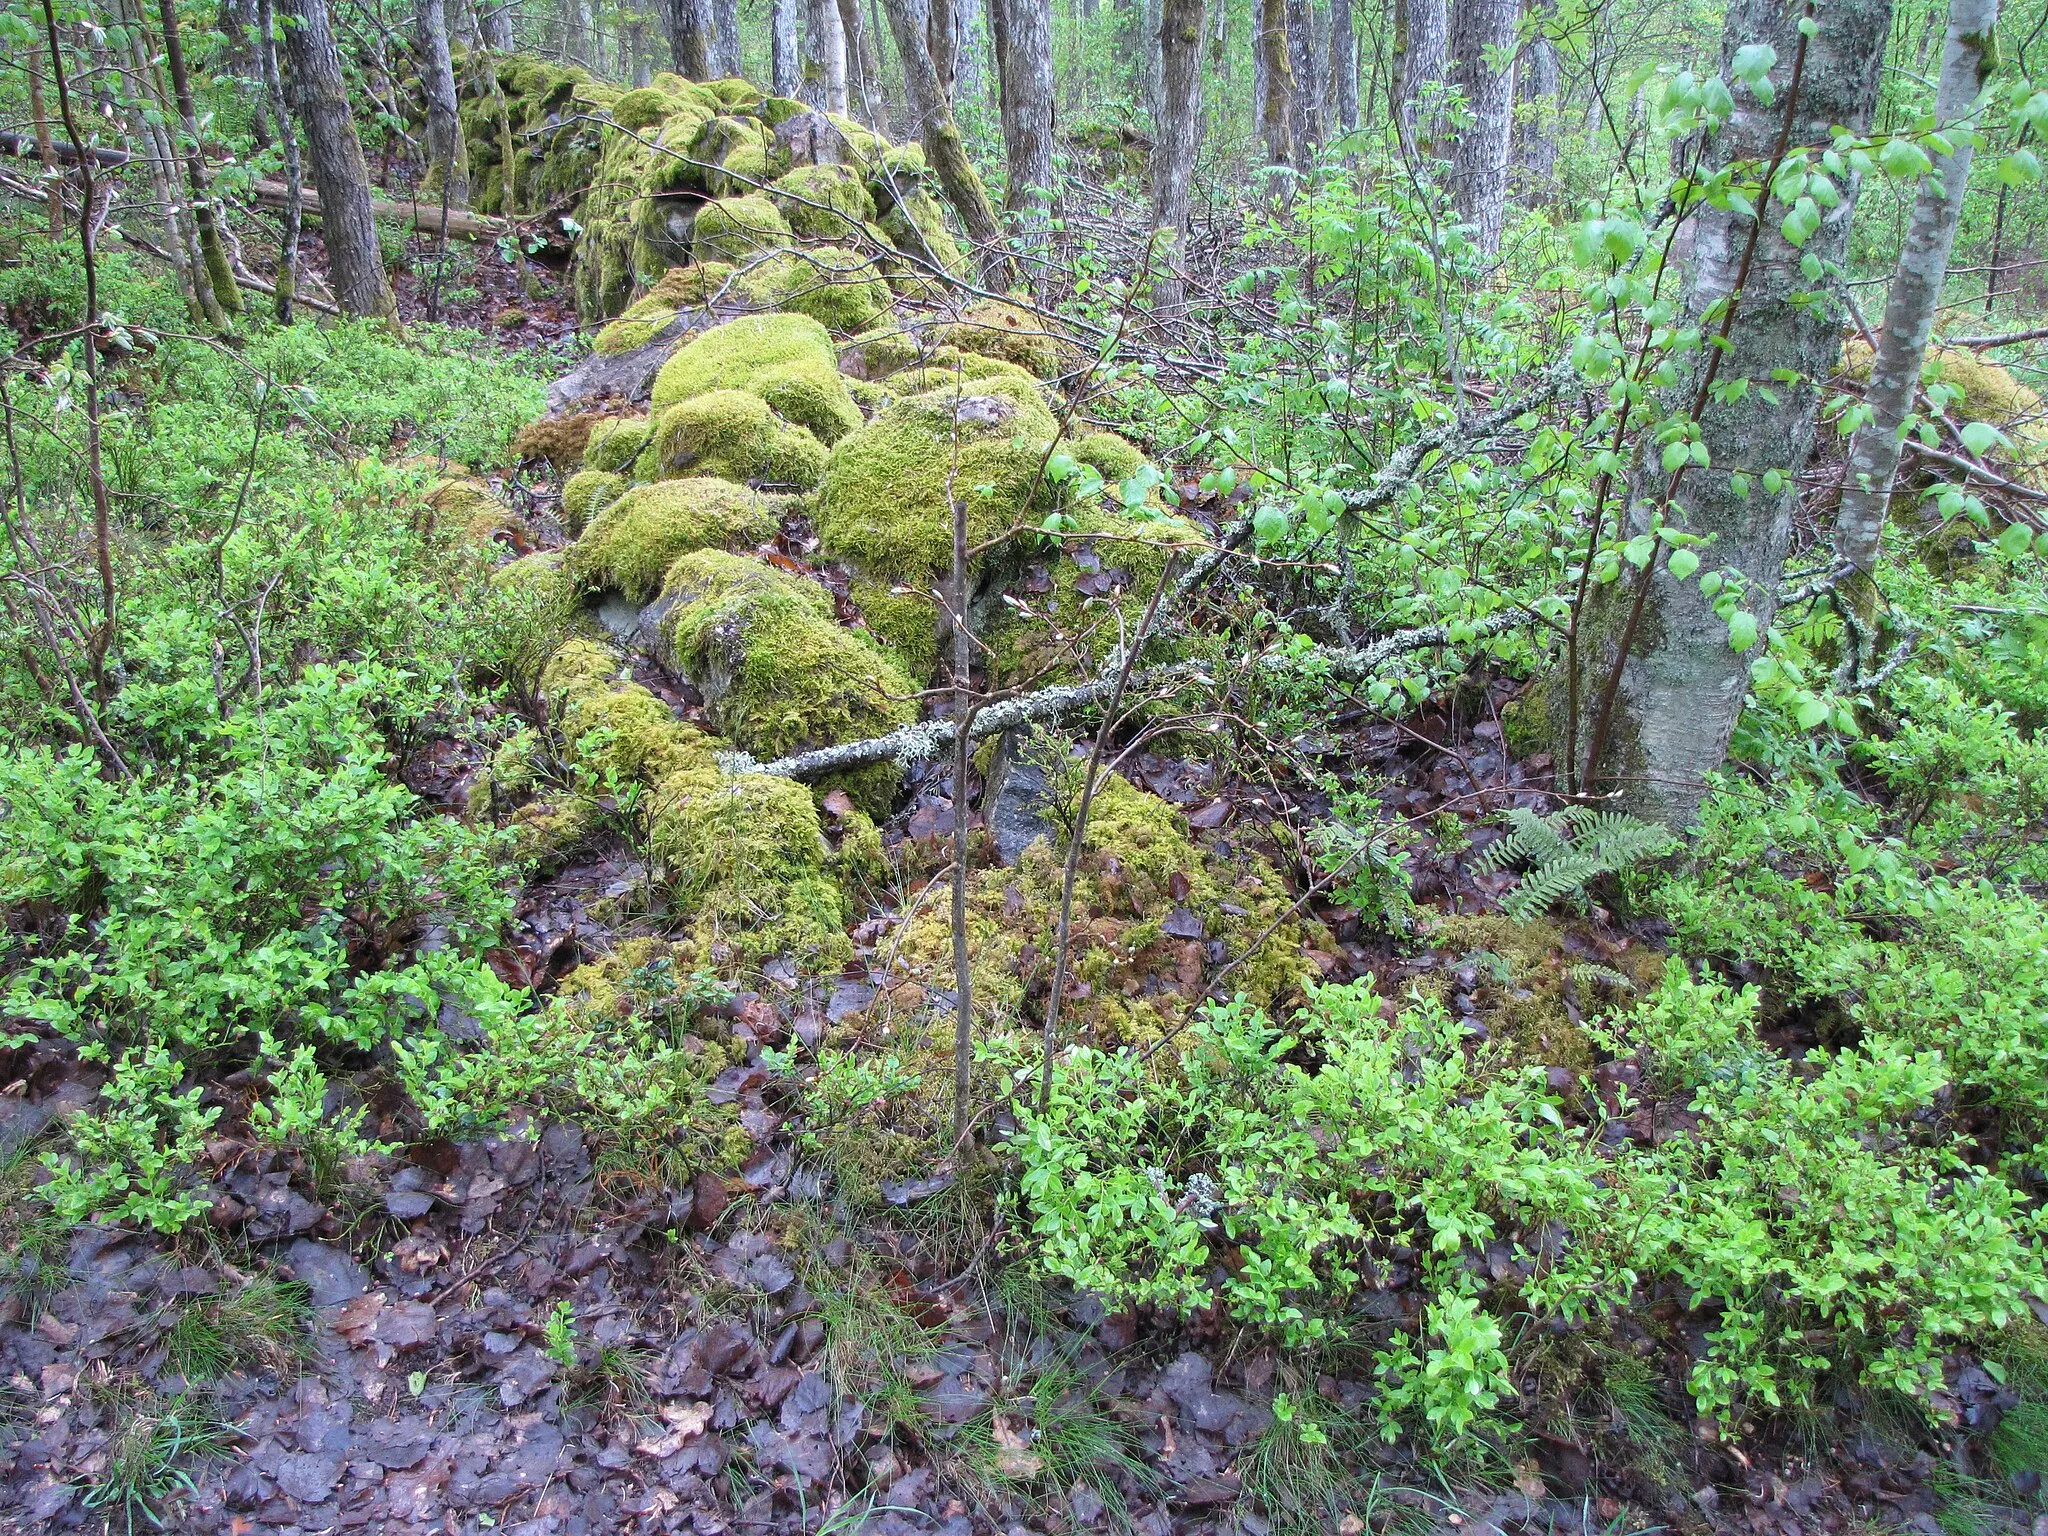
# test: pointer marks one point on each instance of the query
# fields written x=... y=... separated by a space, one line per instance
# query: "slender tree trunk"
x=1966 y=63
x=205 y=217
x=785 y=62
x=1344 y=66
x=1425 y=55
x=725 y=39
x=1307 y=121
x=1152 y=66
x=494 y=24
x=865 y=86
x=1659 y=681
x=689 y=39
x=1535 y=137
x=355 y=265
x=931 y=112
x=637 y=67
x=449 y=156
x=294 y=174
x=824 y=56
x=1276 y=96
x=942 y=38
x=1482 y=43
x=46 y=151
x=1178 y=142
x=1023 y=40
x=146 y=120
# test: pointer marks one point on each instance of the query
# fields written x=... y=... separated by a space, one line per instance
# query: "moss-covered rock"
x=778 y=671
x=642 y=108
x=1140 y=875
x=840 y=289
x=887 y=348
x=736 y=436
x=785 y=359
x=470 y=506
x=630 y=545
x=918 y=226
x=615 y=442
x=587 y=493
x=735 y=93
x=738 y=228
x=884 y=505
x=995 y=329
x=1114 y=458
x=743 y=856
x=680 y=289
x=822 y=201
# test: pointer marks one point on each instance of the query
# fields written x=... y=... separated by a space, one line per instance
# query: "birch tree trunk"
x=931 y=111
x=689 y=38
x=219 y=274
x=1178 y=142
x=355 y=266
x=1276 y=95
x=785 y=63
x=1658 y=679
x=1482 y=43
x=446 y=152
x=824 y=56
x=1023 y=40
x=294 y=172
x=1343 y=66
x=1967 y=60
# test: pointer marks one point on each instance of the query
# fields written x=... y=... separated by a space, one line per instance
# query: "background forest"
x=1024 y=765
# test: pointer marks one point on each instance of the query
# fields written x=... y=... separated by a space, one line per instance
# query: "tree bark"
x=1482 y=40
x=448 y=155
x=1535 y=137
x=1307 y=123
x=942 y=38
x=1276 y=95
x=494 y=24
x=636 y=52
x=1023 y=41
x=824 y=56
x=294 y=202
x=1967 y=60
x=355 y=265
x=785 y=62
x=1343 y=66
x=931 y=111
x=220 y=273
x=1177 y=144
x=689 y=40
x=865 y=87
x=1657 y=678
x=725 y=39
x=46 y=151
x=1425 y=55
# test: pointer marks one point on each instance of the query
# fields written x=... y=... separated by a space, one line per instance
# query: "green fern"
x=1561 y=855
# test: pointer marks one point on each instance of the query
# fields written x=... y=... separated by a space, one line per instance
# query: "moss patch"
x=738 y=228
x=1114 y=458
x=612 y=727
x=840 y=289
x=996 y=329
x=785 y=359
x=820 y=201
x=1131 y=979
x=615 y=443
x=734 y=435
x=778 y=671
x=916 y=225
x=631 y=543
x=587 y=493
x=680 y=289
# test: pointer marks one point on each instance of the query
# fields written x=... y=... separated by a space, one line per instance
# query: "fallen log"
x=425 y=217
x=24 y=146
x=926 y=740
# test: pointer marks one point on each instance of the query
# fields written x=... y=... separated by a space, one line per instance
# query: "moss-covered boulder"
x=823 y=201
x=1114 y=458
x=587 y=493
x=884 y=505
x=995 y=329
x=642 y=108
x=785 y=359
x=736 y=229
x=842 y=290
x=630 y=544
x=1149 y=903
x=680 y=290
x=736 y=436
x=884 y=349
x=743 y=856
x=918 y=226
x=615 y=442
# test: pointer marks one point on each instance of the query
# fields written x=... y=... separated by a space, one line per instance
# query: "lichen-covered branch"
x=926 y=740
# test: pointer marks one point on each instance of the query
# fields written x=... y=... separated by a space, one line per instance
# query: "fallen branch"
x=426 y=218
x=925 y=741
x=1971 y=467
x=26 y=148
x=2009 y=339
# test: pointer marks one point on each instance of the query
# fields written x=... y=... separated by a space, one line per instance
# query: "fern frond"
x=1590 y=978
x=1565 y=853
